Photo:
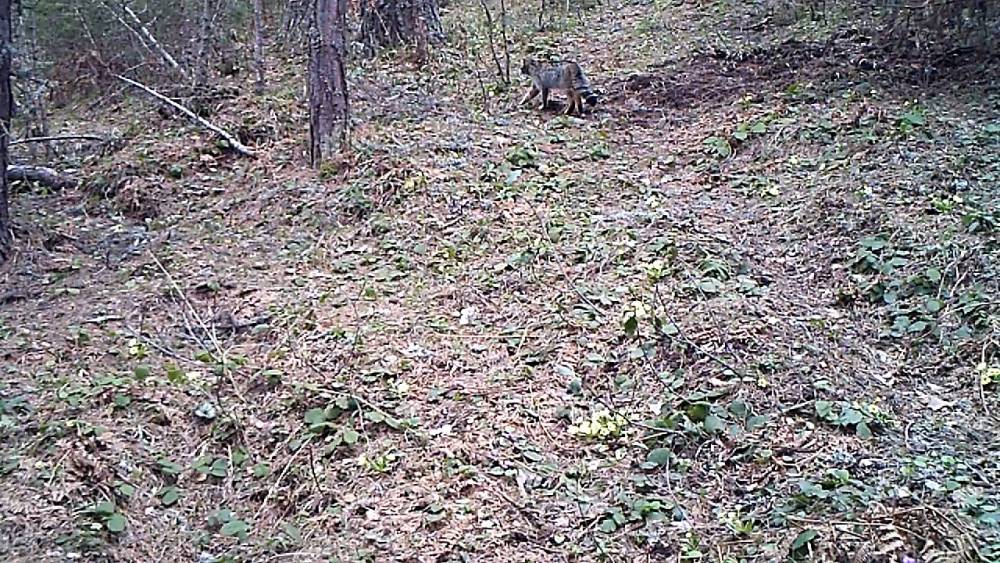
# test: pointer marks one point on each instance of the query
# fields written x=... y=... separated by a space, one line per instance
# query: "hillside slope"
x=745 y=310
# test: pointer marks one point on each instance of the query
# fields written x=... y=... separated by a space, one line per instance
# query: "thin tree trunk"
x=167 y=57
x=506 y=43
x=505 y=77
x=388 y=23
x=6 y=104
x=329 y=112
x=258 y=43
x=204 y=36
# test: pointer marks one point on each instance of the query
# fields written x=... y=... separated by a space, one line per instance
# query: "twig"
x=221 y=354
x=57 y=138
x=506 y=42
x=160 y=347
x=281 y=477
x=233 y=142
x=982 y=387
x=686 y=339
x=312 y=471
x=489 y=336
x=482 y=85
x=562 y=268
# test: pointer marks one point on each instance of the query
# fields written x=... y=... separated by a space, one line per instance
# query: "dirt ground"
x=745 y=310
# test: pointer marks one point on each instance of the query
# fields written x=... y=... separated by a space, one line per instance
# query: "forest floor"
x=745 y=310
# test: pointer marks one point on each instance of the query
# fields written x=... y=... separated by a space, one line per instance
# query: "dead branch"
x=171 y=61
x=229 y=138
x=145 y=37
x=57 y=138
x=42 y=175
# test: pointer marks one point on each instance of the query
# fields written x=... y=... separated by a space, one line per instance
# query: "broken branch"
x=229 y=138
x=42 y=175
x=57 y=138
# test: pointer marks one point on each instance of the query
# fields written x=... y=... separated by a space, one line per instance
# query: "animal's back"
x=561 y=75
x=552 y=76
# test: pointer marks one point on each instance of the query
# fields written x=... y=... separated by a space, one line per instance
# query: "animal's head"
x=528 y=65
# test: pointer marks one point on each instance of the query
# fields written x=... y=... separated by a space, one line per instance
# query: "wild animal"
x=561 y=75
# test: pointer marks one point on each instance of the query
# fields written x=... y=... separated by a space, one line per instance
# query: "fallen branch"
x=57 y=138
x=42 y=175
x=229 y=138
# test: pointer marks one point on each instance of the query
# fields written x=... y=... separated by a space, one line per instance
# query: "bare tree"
x=204 y=40
x=258 y=43
x=142 y=33
x=389 y=23
x=329 y=112
x=32 y=86
x=6 y=104
x=503 y=69
x=296 y=13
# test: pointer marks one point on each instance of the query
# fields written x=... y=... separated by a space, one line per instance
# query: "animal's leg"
x=529 y=95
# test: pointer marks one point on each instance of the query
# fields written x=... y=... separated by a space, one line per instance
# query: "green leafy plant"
x=169 y=496
x=800 y=545
x=229 y=525
x=698 y=418
x=836 y=489
x=168 y=467
x=214 y=466
x=914 y=118
x=739 y=524
x=322 y=420
x=634 y=510
x=989 y=374
x=110 y=516
x=523 y=156
x=381 y=463
x=719 y=147
x=863 y=419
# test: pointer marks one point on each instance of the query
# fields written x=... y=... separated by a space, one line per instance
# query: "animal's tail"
x=582 y=88
x=587 y=94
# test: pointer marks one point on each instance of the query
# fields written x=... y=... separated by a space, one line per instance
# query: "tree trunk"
x=297 y=12
x=145 y=36
x=390 y=23
x=258 y=43
x=204 y=37
x=6 y=104
x=329 y=112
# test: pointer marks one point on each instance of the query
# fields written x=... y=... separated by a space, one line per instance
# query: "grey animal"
x=562 y=75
